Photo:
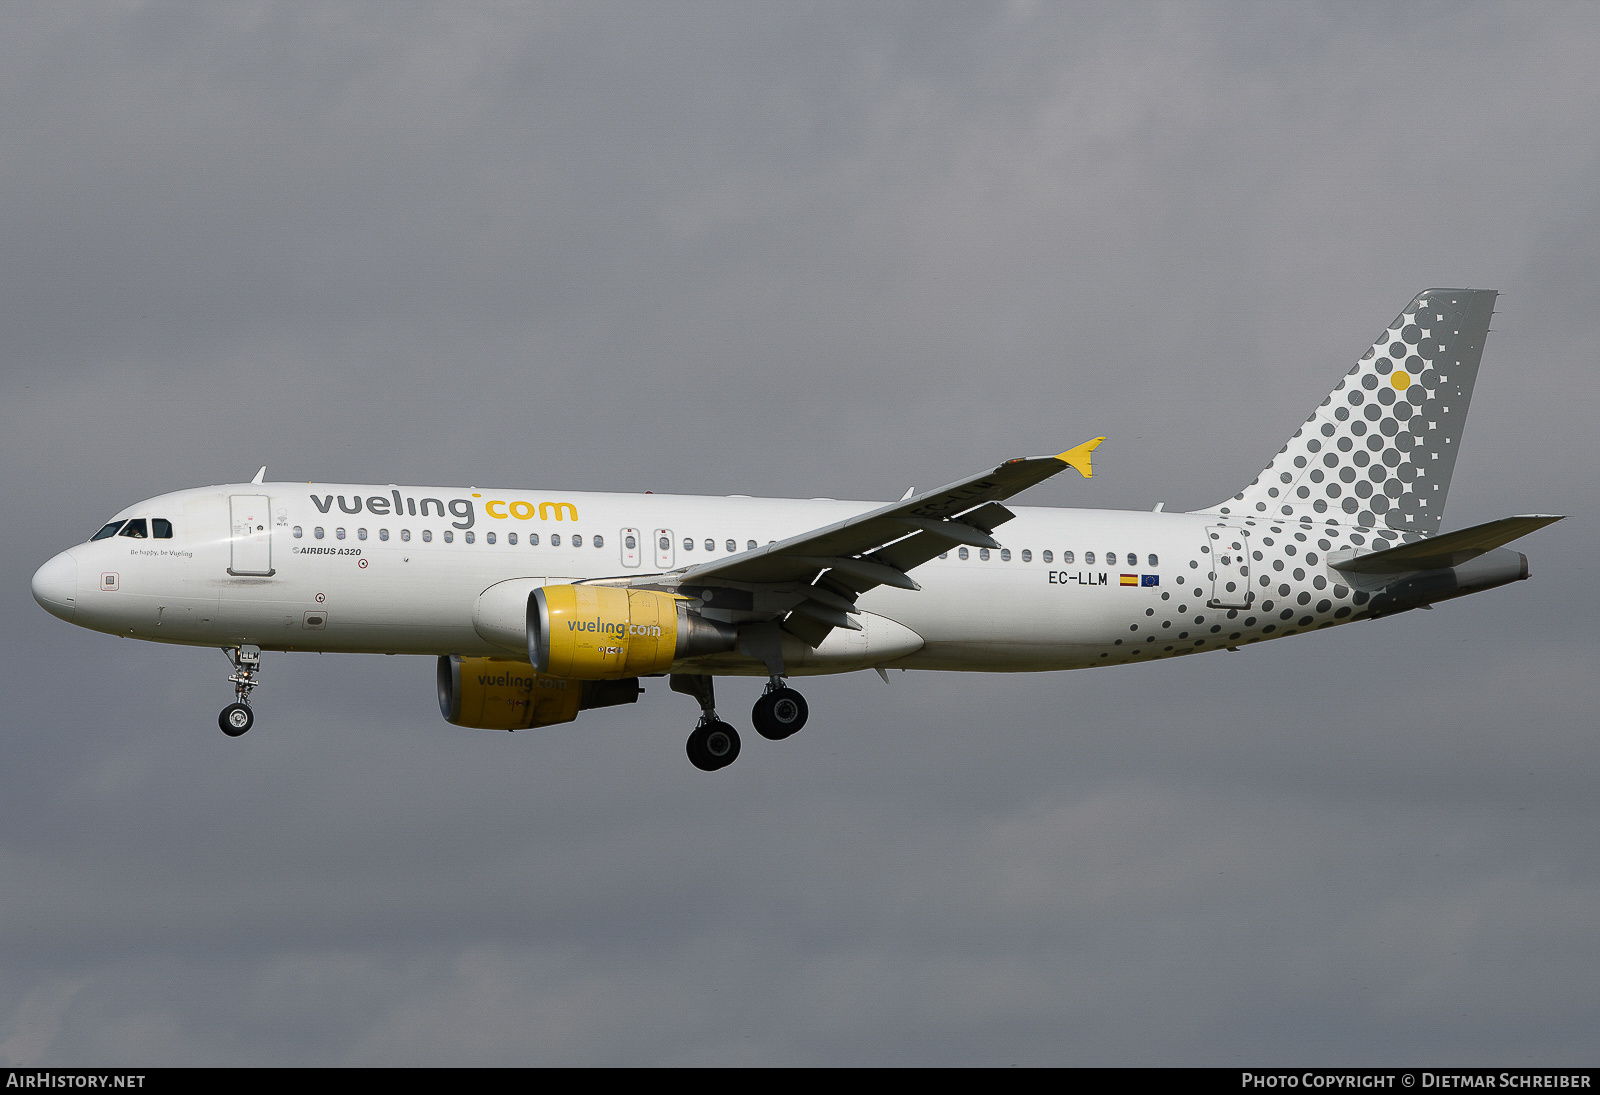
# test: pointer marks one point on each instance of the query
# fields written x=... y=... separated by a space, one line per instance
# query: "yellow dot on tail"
x=1400 y=380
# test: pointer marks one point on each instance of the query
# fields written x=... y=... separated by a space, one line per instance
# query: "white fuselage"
x=342 y=570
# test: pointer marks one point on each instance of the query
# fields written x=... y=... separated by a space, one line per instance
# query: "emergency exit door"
x=630 y=547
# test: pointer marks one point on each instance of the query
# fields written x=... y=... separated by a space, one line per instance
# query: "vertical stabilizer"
x=1378 y=452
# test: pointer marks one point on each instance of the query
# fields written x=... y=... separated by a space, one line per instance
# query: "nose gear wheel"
x=236 y=718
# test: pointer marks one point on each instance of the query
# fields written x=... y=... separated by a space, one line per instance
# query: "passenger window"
x=161 y=528
x=599 y=541
x=317 y=532
x=961 y=553
x=555 y=539
x=1088 y=558
x=983 y=554
x=533 y=539
x=1047 y=555
x=135 y=528
x=1027 y=556
x=405 y=535
x=629 y=542
x=749 y=545
x=944 y=555
x=511 y=538
x=427 y=536
x=109 y=530
x=361 y=534
x=449 y=537
x=299 y=532
x=471 y=537
x=338 y=534
x=688 y=544
x=488 y=538
x=577 y=540
x=1154 y=561
x=733 y=545
x=1005 y=555
x=664 y=544
x=383 y=534
x=711 y=545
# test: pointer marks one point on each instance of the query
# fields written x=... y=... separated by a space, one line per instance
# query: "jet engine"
x=501 y=694
x=596 y=633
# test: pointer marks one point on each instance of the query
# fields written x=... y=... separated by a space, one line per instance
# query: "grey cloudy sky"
x=795 y=249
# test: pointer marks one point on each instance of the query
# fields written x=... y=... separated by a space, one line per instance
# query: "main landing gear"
x=780 y=712
x=714 y=744
x=236 y=718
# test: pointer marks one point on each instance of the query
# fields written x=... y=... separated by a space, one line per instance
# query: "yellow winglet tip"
x=1078 y=457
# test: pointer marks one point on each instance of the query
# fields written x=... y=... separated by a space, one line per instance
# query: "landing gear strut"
x=780 y=712
x=714 y=744
x=236 y=718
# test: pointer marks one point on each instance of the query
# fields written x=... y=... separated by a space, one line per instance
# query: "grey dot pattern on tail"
x=1380 y=449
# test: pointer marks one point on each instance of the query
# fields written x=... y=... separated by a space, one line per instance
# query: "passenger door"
x=250 y=521
x=1230 y=566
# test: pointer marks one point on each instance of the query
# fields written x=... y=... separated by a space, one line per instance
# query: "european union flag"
x=1149 y=579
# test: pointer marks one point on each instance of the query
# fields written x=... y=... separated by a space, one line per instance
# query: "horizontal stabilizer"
x=1450 y=550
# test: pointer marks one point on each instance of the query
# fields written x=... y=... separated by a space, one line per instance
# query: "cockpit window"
x=109 y=531
x=136 y=529
x=161 y=528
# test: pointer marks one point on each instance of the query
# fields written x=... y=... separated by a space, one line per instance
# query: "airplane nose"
x=55 y=586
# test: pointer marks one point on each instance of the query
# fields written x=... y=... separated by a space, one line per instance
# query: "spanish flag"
x=1130 y=579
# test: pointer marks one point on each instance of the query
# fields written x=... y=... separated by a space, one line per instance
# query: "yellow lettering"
x=488 y=507
x=559 y=507
x=522 y=511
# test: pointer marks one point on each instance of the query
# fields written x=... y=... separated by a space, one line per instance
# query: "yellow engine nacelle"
x=500 y=694
x=597 y=633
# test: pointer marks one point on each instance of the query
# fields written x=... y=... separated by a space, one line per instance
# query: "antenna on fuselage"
x=260 y=475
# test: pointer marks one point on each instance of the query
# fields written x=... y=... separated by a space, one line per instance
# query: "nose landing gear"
x=236 y=718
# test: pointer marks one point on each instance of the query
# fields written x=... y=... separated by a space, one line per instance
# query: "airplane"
x=539 y=605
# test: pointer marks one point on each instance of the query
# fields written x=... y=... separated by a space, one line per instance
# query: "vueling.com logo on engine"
x=601 y=627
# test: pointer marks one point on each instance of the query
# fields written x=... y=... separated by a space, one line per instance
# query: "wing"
x=811 y=581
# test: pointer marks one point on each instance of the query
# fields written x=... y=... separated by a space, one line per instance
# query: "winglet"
x=1079 y=457
x=260 y=475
